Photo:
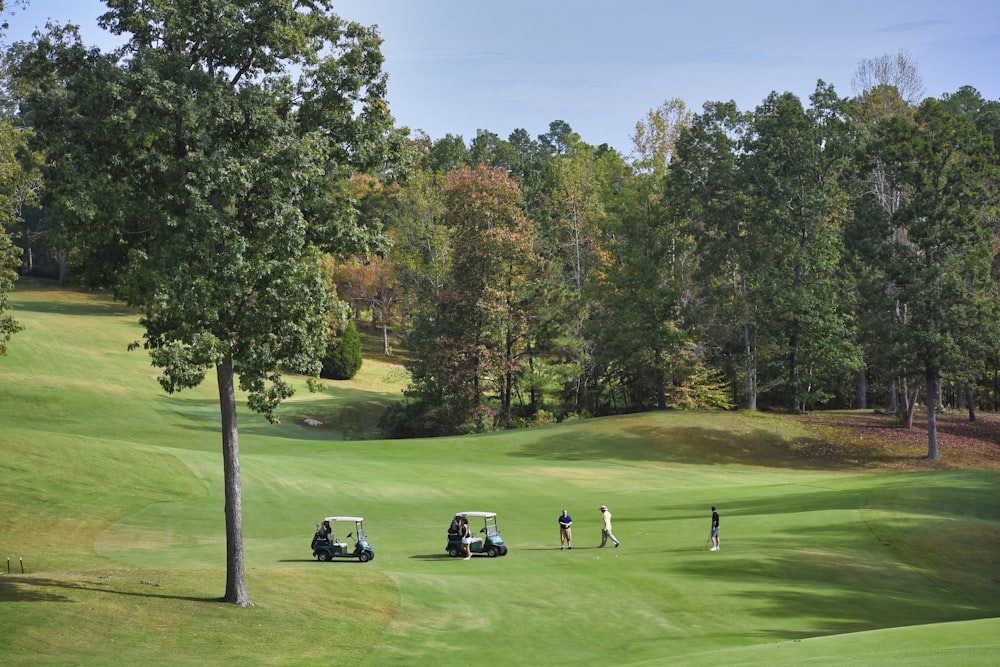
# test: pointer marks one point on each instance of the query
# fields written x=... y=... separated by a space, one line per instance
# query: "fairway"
x=112 y=499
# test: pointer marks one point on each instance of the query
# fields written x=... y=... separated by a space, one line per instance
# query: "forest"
x=840 y=253
x=835 y=252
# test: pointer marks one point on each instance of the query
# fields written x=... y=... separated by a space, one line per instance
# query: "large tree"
x=198 y=171
x=576 y=218
x=936 y=248
x=793 y=160
x=471 y=341
x=647 y=260
x=886 y=86
x=706 y=188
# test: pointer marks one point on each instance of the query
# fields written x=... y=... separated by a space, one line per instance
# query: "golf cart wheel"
x=322 y=556
x=364 y=556
x=454 y=551
x=492 y=552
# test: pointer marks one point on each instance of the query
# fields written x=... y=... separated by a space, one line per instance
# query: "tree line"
x=835 y=253
x=839 y=253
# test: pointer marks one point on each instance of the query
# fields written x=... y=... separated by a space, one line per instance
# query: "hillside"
x=840 y=543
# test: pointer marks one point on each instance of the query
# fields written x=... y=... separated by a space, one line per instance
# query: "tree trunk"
x=911 y=404
x=861 y=390
x=793 y=368
x=933 y=399
x=385 y=338
x=533 y=387
x=751 y=369
x=996 y=390
x=236 y=583
x=970 y=402
x=661 y=382
x=893 y=398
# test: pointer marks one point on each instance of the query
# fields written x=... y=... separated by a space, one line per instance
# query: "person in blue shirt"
x=565 y=534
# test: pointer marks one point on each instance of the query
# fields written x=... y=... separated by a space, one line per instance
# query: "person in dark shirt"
x=466 y=535
x=715 y=530
x=326 y=532
x=565 y=534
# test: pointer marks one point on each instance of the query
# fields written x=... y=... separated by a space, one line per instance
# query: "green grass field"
x=111 y=497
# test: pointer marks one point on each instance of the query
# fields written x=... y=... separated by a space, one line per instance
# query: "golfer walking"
x=606 y=533
x=715 y=530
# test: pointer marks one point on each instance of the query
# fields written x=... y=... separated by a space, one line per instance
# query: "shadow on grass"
x=441 y=556
x=348 y=421
x=842 y=593
x=66 y=300
x=705 y=446
x=958 y=494
x=39 y=589
x=336 y=559
x=558 y=549
x=80 y=308
x=923 y=553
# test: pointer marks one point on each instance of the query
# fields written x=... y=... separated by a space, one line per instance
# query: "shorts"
x=467 y=540
x=715 y=531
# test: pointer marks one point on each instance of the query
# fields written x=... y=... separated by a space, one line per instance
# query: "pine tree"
x=343 y=355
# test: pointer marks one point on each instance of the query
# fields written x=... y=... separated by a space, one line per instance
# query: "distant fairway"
x=111 y=492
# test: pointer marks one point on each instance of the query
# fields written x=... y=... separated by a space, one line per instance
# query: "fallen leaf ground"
x=870 y=440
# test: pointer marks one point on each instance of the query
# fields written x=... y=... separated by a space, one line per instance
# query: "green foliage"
x=932 y=255
x=10 y=257
x=206 y=193
x=342 y=360
x=655 y=137
x=765 y=196
x=794 y=162
x=19 y=182
x=697 y=386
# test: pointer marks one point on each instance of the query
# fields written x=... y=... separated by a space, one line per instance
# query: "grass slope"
x=112 y=495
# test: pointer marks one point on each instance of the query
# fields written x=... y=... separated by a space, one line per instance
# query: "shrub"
x=343 y=355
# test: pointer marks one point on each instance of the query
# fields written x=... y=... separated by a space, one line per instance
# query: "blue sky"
x=457 y=66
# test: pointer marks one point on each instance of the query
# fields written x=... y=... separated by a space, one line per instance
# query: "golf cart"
x=325 y=545
x=490 y=543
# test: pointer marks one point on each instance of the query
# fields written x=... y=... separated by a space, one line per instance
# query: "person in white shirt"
x=606 y=533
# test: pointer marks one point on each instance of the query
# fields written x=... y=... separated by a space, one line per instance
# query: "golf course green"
x=112 y=530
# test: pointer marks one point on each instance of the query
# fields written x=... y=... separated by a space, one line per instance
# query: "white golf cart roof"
x=486 y=515
x=343 y=518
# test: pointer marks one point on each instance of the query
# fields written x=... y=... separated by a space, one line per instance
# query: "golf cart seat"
x=339 y=544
